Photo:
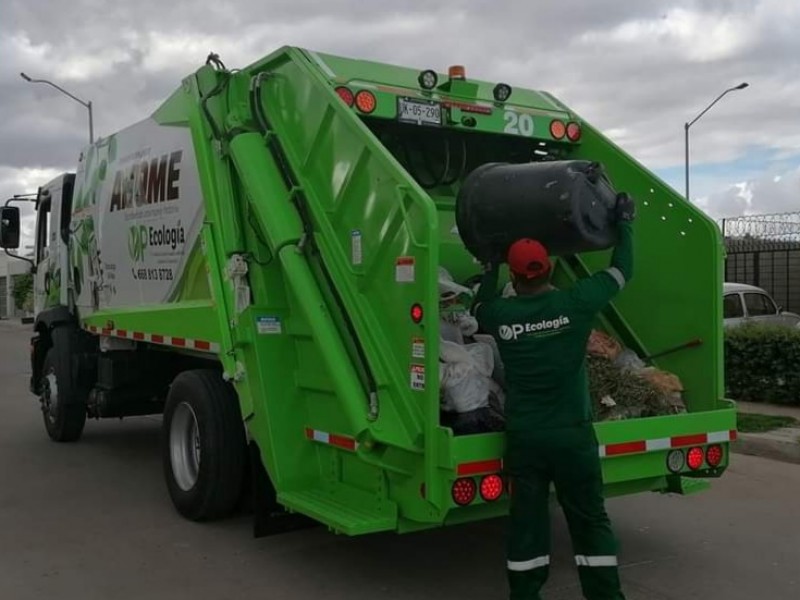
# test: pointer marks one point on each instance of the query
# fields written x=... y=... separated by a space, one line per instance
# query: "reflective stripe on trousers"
x=595 y=561
x=527 y=565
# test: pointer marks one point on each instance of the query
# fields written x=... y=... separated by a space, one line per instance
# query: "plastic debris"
x=472 y=402
x=603 y=345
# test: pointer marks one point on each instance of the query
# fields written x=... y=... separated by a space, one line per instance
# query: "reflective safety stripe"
x=527 y=565
x=617 y=275
x=595 y=561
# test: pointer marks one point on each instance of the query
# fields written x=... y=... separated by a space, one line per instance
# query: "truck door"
x=41 y=280
x=52 y=237
x=46 y=288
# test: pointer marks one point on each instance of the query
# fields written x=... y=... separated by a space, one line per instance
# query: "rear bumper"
x=633 y=457
x=638 y=449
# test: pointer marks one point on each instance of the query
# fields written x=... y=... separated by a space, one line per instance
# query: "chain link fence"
x=764 y=250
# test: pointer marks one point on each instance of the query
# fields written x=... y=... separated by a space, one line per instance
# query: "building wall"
x=10 y=267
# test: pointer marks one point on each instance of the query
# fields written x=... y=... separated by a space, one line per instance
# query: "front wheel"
x=64 y=417
x=204 y=449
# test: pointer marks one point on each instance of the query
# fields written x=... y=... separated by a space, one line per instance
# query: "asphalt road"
x=92 y=520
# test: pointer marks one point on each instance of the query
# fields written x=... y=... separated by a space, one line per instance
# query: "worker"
x=542 y=334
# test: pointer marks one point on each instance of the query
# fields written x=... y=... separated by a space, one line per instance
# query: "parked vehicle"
x=744 y=303
x=259 y=261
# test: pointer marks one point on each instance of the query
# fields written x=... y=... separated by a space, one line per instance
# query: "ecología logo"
x=137 y=242
x=141 y=237
x=513 y=331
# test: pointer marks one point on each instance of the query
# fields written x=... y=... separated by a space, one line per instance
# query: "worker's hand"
x=625 y=208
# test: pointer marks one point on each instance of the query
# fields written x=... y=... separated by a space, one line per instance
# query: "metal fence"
x=764 y=250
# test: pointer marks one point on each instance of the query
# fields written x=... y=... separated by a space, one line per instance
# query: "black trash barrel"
x=566 y=205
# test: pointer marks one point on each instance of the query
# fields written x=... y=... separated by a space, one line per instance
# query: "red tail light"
x=714 y=455
x=417 y=313
x=365 y=101
x=557 y=129
x=573 y=131
x=491 y=487
x=694 y=458
x=464 y=491
x=346 y=95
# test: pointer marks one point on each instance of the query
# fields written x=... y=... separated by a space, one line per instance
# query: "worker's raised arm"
x=488 y=288
x=593 y=293
x=622 y=259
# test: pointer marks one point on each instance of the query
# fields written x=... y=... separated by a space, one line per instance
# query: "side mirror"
x=9 y=227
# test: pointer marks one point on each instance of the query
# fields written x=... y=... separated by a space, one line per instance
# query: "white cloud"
x=697 y=36
x=637 y=69
x=760 y=195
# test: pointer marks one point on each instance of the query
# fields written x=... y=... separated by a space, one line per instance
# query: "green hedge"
x=23 y=288
x=762 y=364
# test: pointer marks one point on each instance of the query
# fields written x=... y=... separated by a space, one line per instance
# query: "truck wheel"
x=63 y=418
x=204 y=449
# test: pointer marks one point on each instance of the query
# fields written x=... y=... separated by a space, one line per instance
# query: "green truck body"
x=286 y=233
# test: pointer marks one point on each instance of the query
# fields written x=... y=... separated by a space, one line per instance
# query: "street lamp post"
x=88 y=104
x=686 y=126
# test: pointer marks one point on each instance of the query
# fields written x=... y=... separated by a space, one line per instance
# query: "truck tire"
x=63 y=417
x=204 y=447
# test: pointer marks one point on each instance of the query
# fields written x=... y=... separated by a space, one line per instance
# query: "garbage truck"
x=257 y=260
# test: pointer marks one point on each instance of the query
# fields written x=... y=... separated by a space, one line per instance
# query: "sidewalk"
x=769 y=409
x=15 y=324
x=780 y=444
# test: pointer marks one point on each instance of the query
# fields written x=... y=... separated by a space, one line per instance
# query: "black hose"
x=214 y=59
x=221 y=84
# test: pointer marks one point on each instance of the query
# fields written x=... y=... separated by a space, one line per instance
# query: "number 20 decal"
x=518 y=124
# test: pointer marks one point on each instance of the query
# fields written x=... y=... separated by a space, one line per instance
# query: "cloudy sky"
x=638 y=69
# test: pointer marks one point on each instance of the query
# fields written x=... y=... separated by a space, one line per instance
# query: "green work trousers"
x=569 y=458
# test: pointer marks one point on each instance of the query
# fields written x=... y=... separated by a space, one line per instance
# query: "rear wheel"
x=64 y=417
x=204 y=449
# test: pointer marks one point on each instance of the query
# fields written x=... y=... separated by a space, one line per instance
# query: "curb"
x=780 y=444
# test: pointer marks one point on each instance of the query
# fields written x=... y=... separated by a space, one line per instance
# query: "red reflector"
x=480 y=466
x=346 y=95
x=464 y=491
x=557 y=129
x=626 y=448
x=491 y=487
x=365 y=101
x=688 y=440
x=342 y=442
x=714 y=455
x=416 y=313
x=573 y=131
x=694 y=458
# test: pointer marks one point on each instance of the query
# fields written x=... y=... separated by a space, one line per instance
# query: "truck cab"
x=51 y=249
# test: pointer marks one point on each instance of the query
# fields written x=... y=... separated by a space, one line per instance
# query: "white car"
x=744 y=303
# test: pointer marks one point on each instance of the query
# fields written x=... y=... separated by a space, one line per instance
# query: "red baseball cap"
x=528 y=258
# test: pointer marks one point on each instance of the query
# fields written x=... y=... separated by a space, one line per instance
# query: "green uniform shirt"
x=542 y=341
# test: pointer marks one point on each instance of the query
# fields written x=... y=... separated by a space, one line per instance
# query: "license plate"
x=419 y=112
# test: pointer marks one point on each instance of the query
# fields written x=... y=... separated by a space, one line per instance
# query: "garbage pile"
x=621 y=386
x=472 y=379
x=470 y=370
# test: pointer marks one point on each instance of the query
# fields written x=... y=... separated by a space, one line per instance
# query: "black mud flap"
x=269 y=517
x=686 y=486
x=38 y=351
